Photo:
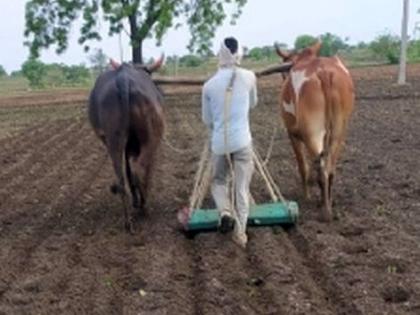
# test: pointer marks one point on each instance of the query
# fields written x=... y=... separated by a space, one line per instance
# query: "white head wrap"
x=227 y=59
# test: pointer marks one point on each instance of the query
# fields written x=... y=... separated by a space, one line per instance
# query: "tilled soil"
x=63 y=248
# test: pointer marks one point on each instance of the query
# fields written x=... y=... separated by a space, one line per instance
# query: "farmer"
x=231 y=142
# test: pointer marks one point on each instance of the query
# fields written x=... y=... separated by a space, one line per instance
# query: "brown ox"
x=316 y=103
x=126 y=114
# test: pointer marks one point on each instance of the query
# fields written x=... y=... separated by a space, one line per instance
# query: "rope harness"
x=226 y=117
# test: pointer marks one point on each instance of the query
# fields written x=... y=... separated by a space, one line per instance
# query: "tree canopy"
x=304 y=41
x=331 y=43
x=99 y=61
x=34 y=71
x=49 y=22
x=387 y=46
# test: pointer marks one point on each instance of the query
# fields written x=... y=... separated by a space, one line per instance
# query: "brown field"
x=63 y=249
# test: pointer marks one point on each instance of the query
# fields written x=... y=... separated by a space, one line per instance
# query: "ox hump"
x=298 y=80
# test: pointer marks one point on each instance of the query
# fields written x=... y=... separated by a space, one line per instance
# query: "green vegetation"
x=34 y=71
x=387 y=46
x=41 y=75
x=48 y=22
x=99 y=62
x=3 y=72
x=263 y=53
x=191 y=61
x=382 y=50
x=414 y=51
x=304 y=41
x=13 y=84
x=331 y=44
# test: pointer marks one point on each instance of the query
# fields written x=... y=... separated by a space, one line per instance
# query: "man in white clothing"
x=231 y=141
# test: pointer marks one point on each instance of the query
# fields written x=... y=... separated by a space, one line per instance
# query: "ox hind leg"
x=133 y=184
x=299 y=149
x=116 y=149
x=142 y=171
x=147 y=130
x=335 y=147
x=133 y=151
x=324 y=182
x=320 y=154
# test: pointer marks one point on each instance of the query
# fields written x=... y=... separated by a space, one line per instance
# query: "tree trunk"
x=404 y=39
x=136 y=42
x=137 y=49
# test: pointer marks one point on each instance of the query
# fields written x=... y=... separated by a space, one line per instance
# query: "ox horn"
x=114 y=64
x=284 y=67
x=282 y=54
x=156 y=65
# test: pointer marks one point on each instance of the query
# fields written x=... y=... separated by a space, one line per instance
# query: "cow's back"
x=317 y=91
x=146 y=112
x=338 y=90
x=342 y=87
x=143 y=97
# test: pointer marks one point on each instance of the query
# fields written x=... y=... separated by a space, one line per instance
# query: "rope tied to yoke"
x=202 y=178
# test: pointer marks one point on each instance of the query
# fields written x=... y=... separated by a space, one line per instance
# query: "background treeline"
x=384 y=49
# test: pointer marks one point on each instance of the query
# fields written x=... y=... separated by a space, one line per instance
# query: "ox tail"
x=123 y=86
x=118 y=137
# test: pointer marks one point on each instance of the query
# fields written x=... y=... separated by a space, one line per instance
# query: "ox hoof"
x=140 y=213
x=116 y=189
x=143 y=212
x=137 y=204
x=129 y=227
x=326 y=216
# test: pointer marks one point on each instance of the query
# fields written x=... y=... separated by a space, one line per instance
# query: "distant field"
x=13 y=85
x=16 y=86
x=14 y=119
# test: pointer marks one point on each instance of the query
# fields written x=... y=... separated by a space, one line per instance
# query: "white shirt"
x=244 y=97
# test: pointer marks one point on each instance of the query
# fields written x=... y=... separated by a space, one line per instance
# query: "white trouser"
x=243 y=167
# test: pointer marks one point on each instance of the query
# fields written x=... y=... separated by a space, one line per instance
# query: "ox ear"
x=315 y=48
x=114 y=64
x=156 y=65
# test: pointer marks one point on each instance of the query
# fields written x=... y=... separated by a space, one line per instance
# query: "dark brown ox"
x=316 y=103
x=125 y=110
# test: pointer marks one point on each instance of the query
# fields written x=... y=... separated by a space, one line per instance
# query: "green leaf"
x=49 y=22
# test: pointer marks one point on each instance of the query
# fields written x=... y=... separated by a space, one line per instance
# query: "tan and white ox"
x=316 y=102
